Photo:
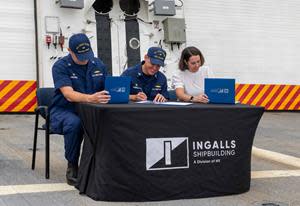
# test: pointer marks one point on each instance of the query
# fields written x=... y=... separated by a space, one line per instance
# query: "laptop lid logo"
x=119 y=89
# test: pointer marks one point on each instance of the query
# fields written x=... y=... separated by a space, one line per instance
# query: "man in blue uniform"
x=147 y=82
x=78 y=77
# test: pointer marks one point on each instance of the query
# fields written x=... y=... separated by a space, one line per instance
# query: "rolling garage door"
x=17 y=56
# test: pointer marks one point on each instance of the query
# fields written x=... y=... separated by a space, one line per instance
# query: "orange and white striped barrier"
x=17 y=96
x=270 y=96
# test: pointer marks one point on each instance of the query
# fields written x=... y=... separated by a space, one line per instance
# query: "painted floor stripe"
x=277 y=157
x=275 y=173
x=59 y=187
x=34 y=188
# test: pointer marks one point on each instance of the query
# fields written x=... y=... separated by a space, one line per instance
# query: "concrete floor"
x=19 y=185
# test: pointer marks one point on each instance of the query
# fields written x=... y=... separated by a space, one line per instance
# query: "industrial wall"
x=83 y=20
x=55 y=21
x=18 y=77
x=254 y=42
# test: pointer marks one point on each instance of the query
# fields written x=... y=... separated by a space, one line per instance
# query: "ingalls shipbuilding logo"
x=167 y=153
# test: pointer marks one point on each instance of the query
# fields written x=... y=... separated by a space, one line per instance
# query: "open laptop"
x=220 y=91
x=118 y=88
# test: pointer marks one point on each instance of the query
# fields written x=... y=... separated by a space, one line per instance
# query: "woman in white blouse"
x=189 y=82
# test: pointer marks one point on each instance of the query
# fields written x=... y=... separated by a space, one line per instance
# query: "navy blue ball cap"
x=81 y=46
x=157 y=55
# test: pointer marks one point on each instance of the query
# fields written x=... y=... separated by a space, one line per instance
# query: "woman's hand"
x=201 y=98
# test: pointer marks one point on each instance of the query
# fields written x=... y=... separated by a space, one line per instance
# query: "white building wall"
x=118 y=39
x=71 y=21
x=253 y=41
x=74 y=21
x=150 y=35
x=17 y=40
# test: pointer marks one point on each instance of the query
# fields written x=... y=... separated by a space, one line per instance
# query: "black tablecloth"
x=138 y=152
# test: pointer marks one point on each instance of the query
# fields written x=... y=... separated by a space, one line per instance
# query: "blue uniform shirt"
x=86 y=79
x=150 y=85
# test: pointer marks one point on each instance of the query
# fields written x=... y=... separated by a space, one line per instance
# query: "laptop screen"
x=118 y=88
x=220 y=91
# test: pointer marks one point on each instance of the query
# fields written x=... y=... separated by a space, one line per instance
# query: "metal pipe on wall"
x=36 y=44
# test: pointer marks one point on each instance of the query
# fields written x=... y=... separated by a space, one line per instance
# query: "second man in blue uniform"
x=147 y=82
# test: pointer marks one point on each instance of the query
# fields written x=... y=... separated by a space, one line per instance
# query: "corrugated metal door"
x=17 y=56
x=17 y=40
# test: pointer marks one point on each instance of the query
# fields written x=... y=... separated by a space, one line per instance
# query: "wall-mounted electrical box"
x=52 y=24
x=74 y=4
x=174 y=30
x=164 y=7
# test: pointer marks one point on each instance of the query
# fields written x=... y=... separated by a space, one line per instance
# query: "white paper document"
x=165 y=103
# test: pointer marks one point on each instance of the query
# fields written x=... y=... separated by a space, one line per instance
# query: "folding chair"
x=44 y=98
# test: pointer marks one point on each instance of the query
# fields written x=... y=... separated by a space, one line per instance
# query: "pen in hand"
x=141 y=96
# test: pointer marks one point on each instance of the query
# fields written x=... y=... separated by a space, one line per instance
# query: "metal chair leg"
x=35 y=140
x=47 y=150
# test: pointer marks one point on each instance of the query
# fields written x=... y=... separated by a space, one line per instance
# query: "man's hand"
x=141 y=96
x=201 y=98
x=74 y=96
x=99 y=97
x=159 y=98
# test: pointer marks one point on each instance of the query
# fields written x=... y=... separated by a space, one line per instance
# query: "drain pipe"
x=36 y=44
